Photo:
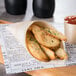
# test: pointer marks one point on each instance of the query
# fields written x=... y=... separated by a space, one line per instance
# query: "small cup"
x=70 y=29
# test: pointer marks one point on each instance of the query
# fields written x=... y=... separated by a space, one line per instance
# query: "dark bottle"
x=16 y=7
x=43 y=8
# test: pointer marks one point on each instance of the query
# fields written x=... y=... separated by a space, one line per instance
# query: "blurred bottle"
x=43 y=8
x=16 y=7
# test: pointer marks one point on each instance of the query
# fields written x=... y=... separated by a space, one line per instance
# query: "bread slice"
x=34 y=48
x=49 y=52
x=61 y=54
x=55 y=34
x=43 y=38
x=52 y=31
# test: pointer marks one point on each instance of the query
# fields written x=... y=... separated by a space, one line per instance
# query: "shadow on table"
x=3 y=73
x=45 y=19
x=19 y=74
x=11 y=18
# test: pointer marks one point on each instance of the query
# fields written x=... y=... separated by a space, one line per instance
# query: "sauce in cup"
x=70 y=29
x=71 y=19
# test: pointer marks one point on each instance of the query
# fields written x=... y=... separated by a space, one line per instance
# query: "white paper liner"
x=16 y=56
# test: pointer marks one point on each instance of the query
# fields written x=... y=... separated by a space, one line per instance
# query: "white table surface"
x=63 y=8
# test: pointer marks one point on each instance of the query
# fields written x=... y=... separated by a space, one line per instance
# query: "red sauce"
x=71 y=19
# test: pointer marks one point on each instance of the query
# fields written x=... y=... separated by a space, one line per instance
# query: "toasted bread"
x=49 y=52
x=55 y=34
x=52 y=31
x=61 y=54
x=43 y=38
x=34 y=48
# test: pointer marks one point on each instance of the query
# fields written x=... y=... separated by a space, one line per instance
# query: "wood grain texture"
x=64 y=71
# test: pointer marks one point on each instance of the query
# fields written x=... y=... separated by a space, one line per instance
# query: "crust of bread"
x=49 y=52
x=61 y=54
x=48 y=30
x=61 y=37
x=34 y=49
x=43 y=38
